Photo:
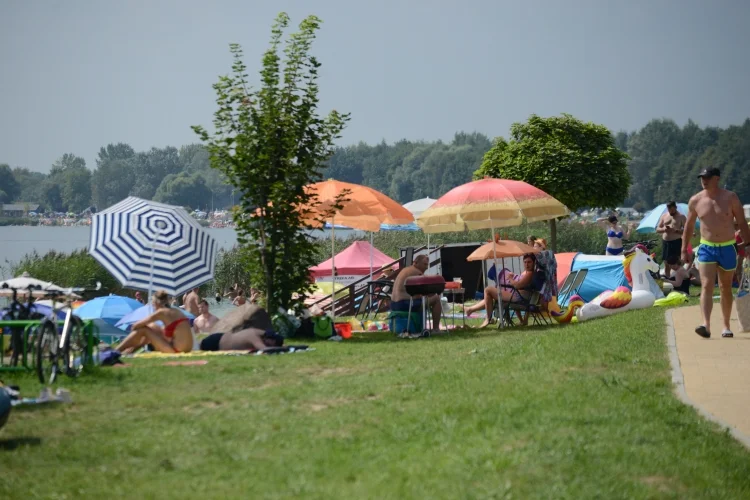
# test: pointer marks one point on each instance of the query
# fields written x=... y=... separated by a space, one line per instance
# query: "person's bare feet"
x=484 y=324
x=467 y=313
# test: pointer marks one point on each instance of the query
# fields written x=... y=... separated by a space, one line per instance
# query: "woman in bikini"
x=176 y=336
x=615 y=234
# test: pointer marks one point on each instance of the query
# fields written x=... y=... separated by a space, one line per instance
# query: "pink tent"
x=354 y=260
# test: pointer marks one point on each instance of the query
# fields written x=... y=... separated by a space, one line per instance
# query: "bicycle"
x=649 y=245
x=19 y=312
x=69 y=345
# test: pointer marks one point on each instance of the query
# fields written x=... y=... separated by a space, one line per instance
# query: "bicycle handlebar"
x=72 y=290
x=15 y=289
x=57 y=293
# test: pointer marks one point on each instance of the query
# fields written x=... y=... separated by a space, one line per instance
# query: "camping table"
x=453 y=292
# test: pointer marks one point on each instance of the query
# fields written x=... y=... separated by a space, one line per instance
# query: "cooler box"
x=397 y=321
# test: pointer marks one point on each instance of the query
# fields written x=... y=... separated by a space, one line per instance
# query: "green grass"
x=578 y=411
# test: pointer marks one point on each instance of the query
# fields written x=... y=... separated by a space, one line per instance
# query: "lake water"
x=17 y=241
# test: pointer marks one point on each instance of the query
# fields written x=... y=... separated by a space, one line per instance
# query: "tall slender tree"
x=270 y=143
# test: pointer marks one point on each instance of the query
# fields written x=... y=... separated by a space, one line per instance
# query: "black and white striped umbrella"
x=152 y=246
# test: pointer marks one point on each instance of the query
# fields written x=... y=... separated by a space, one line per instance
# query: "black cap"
x=710 y=172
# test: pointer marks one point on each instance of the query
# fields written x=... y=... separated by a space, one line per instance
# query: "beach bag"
x=742 y=303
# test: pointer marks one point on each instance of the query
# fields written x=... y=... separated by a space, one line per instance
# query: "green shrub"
x=77 y=268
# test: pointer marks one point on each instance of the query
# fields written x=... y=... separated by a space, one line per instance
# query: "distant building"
x=18 y=209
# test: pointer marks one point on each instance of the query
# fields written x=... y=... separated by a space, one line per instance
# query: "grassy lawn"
x=579 y=411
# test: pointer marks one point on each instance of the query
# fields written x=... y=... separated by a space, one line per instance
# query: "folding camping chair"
x=377 y=291
x=571 y=286
x=531 y=305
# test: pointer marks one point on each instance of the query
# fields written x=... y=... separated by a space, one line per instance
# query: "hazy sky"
x=76 y=75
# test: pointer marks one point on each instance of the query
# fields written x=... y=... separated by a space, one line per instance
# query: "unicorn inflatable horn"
x=637 y=265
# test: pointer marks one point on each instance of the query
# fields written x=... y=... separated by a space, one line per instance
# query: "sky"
x=79 y=74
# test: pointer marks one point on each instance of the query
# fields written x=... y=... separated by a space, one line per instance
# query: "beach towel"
x=270 y=350
x=547 y=262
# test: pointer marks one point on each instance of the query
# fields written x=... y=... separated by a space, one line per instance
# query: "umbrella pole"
x=151 y=275
x=497 y=276
x=429 y=257
x=371 y=255
x=333 y=272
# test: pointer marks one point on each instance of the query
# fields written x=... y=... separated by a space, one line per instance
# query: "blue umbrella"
x=110 y=309
x=650 y=221
x=399 y=227
x=143 y=312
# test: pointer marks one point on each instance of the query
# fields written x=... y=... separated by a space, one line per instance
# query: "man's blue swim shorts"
x=723 y=255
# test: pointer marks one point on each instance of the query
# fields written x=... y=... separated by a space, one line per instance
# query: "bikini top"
x=612 y=234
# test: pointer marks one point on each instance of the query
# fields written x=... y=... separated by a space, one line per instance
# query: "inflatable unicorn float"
x=637 y=265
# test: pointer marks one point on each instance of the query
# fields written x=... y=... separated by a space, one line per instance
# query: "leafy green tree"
x=73 y=179
x=150 y=169
x=51 y=196
x=576 y=162
x=112 y=152
x=270 y=143
x=112 y=182
x=183 y=189
x=9 y=186
x=31 y=184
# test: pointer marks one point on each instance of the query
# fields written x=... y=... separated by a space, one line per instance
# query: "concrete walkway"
x=716 y=371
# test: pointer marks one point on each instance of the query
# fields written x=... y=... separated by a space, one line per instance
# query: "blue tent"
x=651 y=219
x=604 y=273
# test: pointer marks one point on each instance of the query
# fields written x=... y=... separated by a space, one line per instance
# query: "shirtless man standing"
x=717 y=210
x=399 y=297
x=191 y=302
x=671 y=226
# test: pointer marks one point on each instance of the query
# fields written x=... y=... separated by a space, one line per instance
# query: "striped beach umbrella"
x=152 y=246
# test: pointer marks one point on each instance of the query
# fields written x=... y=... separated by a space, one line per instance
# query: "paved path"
x=715 y=371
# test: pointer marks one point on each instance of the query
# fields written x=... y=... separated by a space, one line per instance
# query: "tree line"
x=664 y=160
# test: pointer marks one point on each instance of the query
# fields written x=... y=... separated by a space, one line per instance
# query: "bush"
x=67 y=270
x=230 y=269
x=18 y=221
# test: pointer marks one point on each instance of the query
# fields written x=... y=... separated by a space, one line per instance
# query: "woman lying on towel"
x=249 y=339
x=177 y=335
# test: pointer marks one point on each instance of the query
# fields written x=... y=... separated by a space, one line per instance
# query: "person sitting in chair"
x=400 y=299
x=521 y=283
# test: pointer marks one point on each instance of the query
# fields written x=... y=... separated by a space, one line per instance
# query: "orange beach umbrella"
x=501 y=249
x=364 y=208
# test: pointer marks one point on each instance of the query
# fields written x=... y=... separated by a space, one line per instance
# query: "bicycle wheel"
x=74 y=350
x=16 y=344
x=47 y=359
